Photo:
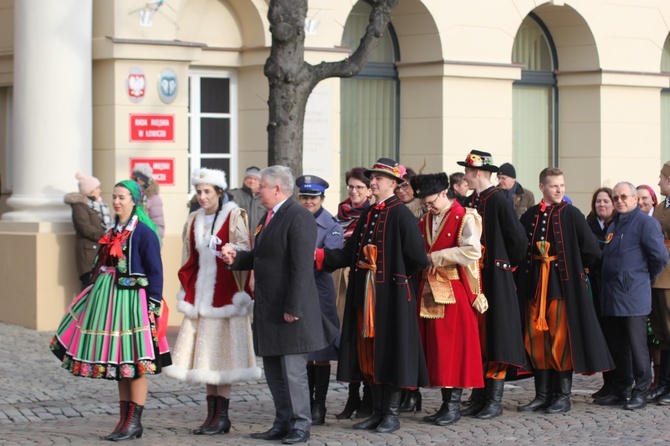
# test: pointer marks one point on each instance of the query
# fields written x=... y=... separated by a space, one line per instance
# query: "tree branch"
x=352 y=65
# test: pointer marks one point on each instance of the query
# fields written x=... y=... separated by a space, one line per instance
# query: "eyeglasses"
x=621 y=197
x=431 y=203
x=403 y=186
x=358 y=188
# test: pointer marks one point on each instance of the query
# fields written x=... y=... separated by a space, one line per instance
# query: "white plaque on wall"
x=317 y=133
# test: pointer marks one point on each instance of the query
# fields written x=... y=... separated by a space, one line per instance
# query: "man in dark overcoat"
x=287 y=320
x=504 y=244
x=561 y=330
x=380 y=334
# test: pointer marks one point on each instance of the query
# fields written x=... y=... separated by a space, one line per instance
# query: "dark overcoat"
x=505 y=243
x=329 y=235
x=578 y=249
x=399 y=358
x=283 y=264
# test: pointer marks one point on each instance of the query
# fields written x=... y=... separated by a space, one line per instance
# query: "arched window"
x=665 y=105
x=369 y=102
x=535 y=101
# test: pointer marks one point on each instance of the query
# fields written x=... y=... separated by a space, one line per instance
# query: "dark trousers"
x=627 y=338
x=287 y=379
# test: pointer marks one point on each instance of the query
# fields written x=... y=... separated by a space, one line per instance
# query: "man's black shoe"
x=610 y=400
x=295 y=436
x=637 y=401
x=273 y=434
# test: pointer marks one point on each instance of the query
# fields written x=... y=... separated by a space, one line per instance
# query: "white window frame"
x=194 y=114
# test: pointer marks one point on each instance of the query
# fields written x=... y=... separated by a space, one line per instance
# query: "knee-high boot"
x=453 y=412
x=390 y=410
x=123 y=413
x=132 y=427
x=410 y=401
x=377 y=393
x=321 y=381
x=220 y=422
x=310 y=384
x=563 y=386
x=366 y=403
x=543 y=391
x=477 y=402
x=211 y=410
x=662 y=389
x=494 y=392
x=353 y=402
x=446 y=395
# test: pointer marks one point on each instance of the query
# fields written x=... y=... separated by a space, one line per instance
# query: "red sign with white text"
x=151 y=128
x=163 y=169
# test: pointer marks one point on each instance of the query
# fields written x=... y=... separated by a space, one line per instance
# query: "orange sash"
x=370 y=252
x=541 y=290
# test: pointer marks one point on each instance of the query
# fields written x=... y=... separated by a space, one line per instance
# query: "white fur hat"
x=209 y=176
x=143 y=171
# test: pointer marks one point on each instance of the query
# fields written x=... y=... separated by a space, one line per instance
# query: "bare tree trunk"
x=292 y=80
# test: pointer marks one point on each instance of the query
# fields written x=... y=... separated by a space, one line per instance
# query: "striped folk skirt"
x=108 y=332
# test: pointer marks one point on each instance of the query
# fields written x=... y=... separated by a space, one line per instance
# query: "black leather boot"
x=366 y=408
x=353 y=402
x=220 y=422
x=477 y=403
x=446 y=394
x=123 y=411
x=370 y=423
x=211 y=410
x=132 y=427
x=390 y=410
x=411 y=401
x=543 y=391
x=321 y=381
x=563 y=386
x=494 y=392
x=453 y=412
x=662 y=388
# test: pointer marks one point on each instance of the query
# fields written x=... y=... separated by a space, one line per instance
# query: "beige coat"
x=662 y=214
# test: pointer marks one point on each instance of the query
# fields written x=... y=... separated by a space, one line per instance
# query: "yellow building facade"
x=96 y=85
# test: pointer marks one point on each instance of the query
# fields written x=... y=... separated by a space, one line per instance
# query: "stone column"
x=52 y=106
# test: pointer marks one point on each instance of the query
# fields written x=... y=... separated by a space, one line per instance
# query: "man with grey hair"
x=633 y=256
x=247 y=196
x=287 y=320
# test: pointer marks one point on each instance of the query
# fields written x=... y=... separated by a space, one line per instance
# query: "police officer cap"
x=311 y=185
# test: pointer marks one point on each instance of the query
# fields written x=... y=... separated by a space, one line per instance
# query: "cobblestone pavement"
x=42 y=404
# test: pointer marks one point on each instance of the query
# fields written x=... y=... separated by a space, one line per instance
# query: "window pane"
x=214 y=95
x=218 y=163
x=531 y=47
x=665 y=126
x=368 y=122
x=533 y=133
x=214 y=135
x=354 y=29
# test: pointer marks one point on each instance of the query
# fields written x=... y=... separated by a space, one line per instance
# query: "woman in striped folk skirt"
x=111 y=330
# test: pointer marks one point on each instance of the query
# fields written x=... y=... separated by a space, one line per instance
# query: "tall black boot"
x=123 y=413
x=477 y=403
x=132 y=427
x=662 y=389
x=446 y=394
x=494 y=392
x=366 y=404
x=453 y=412
x=411 y=401
x=310 y=384
x=563 y=386
x=377 y=394
x=390 y=410
x=543 y=392
x=211 y=410
x=353 y=402
x=321 y=381
x=220 y=422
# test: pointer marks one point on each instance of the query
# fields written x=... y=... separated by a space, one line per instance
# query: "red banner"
x=163 y=169
x=153 y=128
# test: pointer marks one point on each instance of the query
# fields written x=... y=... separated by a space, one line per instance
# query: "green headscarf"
x=136 y=193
